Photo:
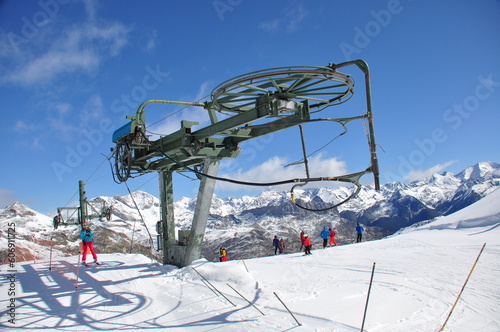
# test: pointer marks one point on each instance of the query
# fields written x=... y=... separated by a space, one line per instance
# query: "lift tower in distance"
x=78 y=215
x=242 y=108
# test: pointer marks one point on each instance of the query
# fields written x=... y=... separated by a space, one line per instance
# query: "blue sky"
x=70 y=72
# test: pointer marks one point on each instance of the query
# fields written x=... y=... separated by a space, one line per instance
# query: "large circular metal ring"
x=123 y=158
x=320 y=86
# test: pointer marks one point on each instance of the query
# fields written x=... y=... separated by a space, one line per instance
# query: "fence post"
x=244 y=298
x=50 y=260
x=234 y=305
x=463 y=287
x=368 y=297
x=287 y=309
x=77 y=270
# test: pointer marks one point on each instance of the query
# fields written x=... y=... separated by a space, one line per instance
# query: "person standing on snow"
x=87 y=236
x=308 y=245
x=301 y=240
x=359 y=231
x=282 y=246
x=276 y=244
x=325 y=234
x=223 y=254
x=332 y=237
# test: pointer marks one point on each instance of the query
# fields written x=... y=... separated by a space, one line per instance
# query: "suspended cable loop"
x=351 y=178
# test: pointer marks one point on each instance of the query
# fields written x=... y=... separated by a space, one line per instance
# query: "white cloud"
x=422 y=174
x=60 y=119
x=172 y=122
x=23 y=127
x=91 y=9
x=289 y=21
x=53 y=64
x=151 y=41
x=62 y=108
x=80 y=48
x=273 y=170
x=92 y=111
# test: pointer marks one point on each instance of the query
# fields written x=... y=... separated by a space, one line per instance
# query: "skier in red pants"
x=87 y=235
x=332 y=237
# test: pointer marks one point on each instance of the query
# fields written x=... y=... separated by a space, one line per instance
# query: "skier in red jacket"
x=308 y=245
x=87 y=236
x=332 y=237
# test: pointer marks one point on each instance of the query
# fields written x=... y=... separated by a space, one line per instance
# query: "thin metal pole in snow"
x=213 y=287
x=34 y=249
x=368 y=297
x=50 y=260
x=245 y=265
x=244 y=298
x=287 y=309
x=463 y=287
x=77 y=270
x=209 y=287
x=206 y=282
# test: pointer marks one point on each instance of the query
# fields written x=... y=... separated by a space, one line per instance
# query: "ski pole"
x=463 y=287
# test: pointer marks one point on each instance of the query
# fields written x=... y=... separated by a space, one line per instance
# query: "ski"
x=89 y=264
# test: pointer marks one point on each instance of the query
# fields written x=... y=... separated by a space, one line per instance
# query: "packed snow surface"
x=418 y=275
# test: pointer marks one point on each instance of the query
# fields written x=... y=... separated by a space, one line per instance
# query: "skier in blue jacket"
x=87 y=236
x=359 y=231
x=325 y=234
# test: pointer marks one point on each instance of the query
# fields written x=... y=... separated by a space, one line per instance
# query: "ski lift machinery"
x=253 y=105
x=78 y=215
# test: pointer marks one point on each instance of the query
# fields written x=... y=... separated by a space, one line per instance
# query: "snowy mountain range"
x=442 y=275
x=247 y=225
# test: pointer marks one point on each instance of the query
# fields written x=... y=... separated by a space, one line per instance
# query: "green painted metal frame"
x=255 y=104
x=258 y=103
x=98 y=210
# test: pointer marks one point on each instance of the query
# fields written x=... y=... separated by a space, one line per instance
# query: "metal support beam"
x=167 y=215
x=203 y=202
x=82 y=213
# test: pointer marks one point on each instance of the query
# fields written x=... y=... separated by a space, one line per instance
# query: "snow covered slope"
x=418 y=275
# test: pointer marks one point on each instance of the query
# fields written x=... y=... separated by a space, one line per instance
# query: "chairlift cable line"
x=350 y=178
x=179 y=110
x=142 y=219
x=321 y=148
x=259 y=184
x=76 y=192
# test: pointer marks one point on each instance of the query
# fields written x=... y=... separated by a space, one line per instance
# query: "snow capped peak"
x=480 y=170
x=141 y=198
x=20 y=210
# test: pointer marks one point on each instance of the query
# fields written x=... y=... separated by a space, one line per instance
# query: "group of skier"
x=279 y=245
x=328 y=236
